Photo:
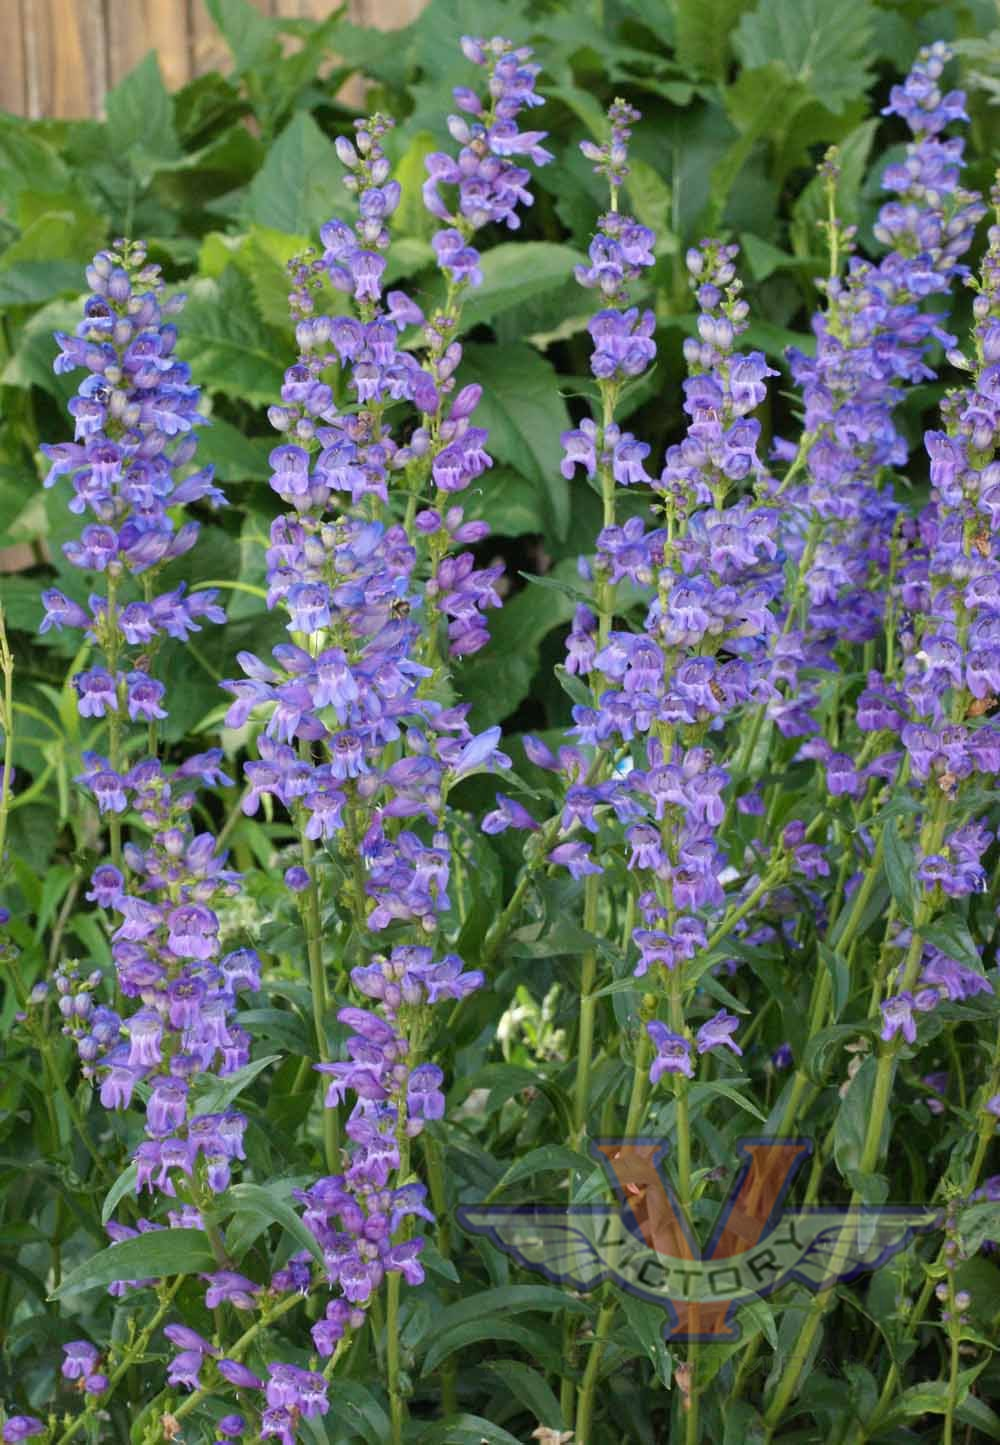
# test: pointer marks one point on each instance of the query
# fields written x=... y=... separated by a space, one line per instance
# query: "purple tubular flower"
x=236 y=1289
x=673 y=1052
x=239 y=1375
x=81 y=1359
x=718 y=1033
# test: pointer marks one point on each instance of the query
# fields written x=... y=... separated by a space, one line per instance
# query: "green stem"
x=588 y=1006
x=439 y=1199
x=585 y=1406
x=7 y=666
x=317 y=988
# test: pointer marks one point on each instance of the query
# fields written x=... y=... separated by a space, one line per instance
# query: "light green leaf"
x=525 y=415
x=298 y=186
x=224 y=336
x=141 y=117
x=704 y=34
x=825 y=48
x=515 y=272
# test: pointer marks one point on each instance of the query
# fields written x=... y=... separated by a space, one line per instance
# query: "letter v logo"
x=752 y=1209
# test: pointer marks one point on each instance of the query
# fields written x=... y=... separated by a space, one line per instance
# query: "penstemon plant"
x=313 y=990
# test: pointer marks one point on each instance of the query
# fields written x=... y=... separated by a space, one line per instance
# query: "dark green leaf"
x=155 y=1255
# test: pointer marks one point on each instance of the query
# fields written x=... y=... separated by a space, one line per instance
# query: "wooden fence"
x=60 y=57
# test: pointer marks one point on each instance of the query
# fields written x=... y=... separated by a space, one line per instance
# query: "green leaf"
x=356 y=1406
x=977 y=1223
x=704 y=34
x=214 y=1095
x=646 y=1322
x=850 y=1127
x=141 y=117
x=823 y=47
x=523 y=1383
x=515 y=272
x=30 y=283
x=510 y=503
x=504 y=670
x=900 y=870
x=298 y=186
x=124 y=1184
x=248 y=34
x=951 y=935
x=525 y=415
x=155 y=1255
x=264 y=1205
x=236 y=458
x=493 y=1328
x=465 y=1430
x=411 y=217
x=546 y=1158
x=840 y=976
x=701 y=1092
x=223 y=336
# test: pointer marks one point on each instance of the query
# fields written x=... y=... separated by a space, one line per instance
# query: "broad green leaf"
x=507 y=501
x=840 y=977
x=850 y=1127
x=646 y=1322
x=512 y=1299
x=30 y=283
x=514 y=272
x=823 y=47
x=298 y=186
x=411 y=217
x=223 y=335
x=155 y=1255
x=141 y=117
x=704 y=34
x=978 y=1222
x=236 y=458
x=356 y=1406
x=504 y=669
x=525 y=416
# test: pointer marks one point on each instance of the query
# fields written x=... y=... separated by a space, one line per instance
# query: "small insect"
x=979 y=706
x=716 y=690
x=399 y=608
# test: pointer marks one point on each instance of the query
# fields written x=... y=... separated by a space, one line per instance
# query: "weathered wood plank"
x=60 y=57
x=13 y=77
x=138 y=26
x=65 y=57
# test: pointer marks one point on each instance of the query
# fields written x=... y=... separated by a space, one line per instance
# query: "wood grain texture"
x=60 y=57
x=138 y=26
x=65 y=50
x=13 y=76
